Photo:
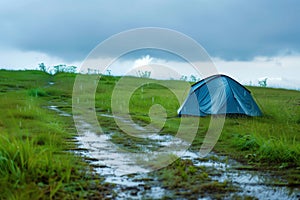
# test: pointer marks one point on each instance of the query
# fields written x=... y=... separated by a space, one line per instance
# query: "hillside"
x=34 y=139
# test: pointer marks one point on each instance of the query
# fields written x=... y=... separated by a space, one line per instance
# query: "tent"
x=219 y=94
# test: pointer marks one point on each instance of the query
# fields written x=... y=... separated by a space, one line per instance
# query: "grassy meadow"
x=35 y=157
x=271 y=139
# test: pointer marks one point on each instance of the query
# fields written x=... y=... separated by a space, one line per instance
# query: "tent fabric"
x=219 y=94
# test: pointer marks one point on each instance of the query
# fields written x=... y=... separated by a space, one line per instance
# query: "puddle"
x=115 y=166
x=163 y=141
x=252 y=183
x=60 y=112
x=116 y=161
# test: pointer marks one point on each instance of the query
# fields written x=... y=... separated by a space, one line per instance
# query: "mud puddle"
x=59 y=111
x=115 y=165
x=261 y=185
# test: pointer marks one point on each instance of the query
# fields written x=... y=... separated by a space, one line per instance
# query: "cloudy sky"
x=248 y=40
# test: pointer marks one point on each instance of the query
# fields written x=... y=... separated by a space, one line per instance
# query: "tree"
x=183 y=78
x=43 y=67
x=193 y=78
x=263 y=82
x=144 y=74
x=58 y=68
x=70 y=69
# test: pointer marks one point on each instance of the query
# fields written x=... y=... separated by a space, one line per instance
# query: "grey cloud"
x=230 y=29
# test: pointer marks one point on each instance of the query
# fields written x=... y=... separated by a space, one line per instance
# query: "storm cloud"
x=230 y=30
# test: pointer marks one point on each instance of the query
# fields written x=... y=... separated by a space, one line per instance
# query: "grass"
x=34 y=162
x=273 y=138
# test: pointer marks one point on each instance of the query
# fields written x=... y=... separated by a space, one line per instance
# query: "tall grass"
x=34 y=163
x=275 y=150
x=24 y=167
x=273 y=138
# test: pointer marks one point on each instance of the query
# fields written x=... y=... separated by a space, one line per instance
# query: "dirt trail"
x=116 y=166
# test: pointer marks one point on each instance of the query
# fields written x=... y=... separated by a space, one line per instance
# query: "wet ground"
x=130 y=174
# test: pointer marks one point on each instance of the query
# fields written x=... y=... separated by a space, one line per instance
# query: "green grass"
x=34 y=163
x=33 y=160
x=273 y=138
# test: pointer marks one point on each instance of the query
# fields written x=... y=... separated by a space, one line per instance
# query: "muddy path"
x=116 y=166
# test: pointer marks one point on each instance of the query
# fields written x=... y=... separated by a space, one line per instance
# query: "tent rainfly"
x=219 y=94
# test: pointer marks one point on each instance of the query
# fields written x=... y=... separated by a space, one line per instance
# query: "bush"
x=37 y=92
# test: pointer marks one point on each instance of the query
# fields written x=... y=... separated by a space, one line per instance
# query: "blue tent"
x=219 y=94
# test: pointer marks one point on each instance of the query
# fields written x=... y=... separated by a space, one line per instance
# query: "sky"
x=248 y=40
